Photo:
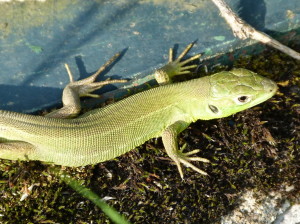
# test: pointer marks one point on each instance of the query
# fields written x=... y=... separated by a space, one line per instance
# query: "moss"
x=145 y=186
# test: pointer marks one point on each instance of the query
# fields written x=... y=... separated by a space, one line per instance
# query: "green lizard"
x=105 y=133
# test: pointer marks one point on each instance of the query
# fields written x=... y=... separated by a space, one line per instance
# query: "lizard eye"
x=243 y=99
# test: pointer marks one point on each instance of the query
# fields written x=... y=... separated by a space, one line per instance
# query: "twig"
x=243 y=30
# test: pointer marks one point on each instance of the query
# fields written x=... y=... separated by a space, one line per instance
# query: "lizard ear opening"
x=213 y=108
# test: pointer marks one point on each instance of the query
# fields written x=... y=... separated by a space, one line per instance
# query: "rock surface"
x=259 y=208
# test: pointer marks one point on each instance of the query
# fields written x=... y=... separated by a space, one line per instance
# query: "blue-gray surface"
x=37 y=38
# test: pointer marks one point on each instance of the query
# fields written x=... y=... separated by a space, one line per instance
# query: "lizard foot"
x=84 y=87
x=81 y=88
x=175 y=67
x=184 y=158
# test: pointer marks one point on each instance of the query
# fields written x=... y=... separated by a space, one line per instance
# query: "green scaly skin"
x=105 y=133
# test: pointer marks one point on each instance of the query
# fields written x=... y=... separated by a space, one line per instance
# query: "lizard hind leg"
x=16 y=150
x=175 y=67
x=81 y=88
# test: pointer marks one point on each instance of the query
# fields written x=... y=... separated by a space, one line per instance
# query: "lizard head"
x=237 y=90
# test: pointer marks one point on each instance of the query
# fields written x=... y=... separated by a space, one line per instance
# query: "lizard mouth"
x=270 y=87
x=269 y=90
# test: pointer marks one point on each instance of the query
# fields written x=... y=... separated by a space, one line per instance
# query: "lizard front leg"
x=164 y=76
x=81 y=88
x=169 y=138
